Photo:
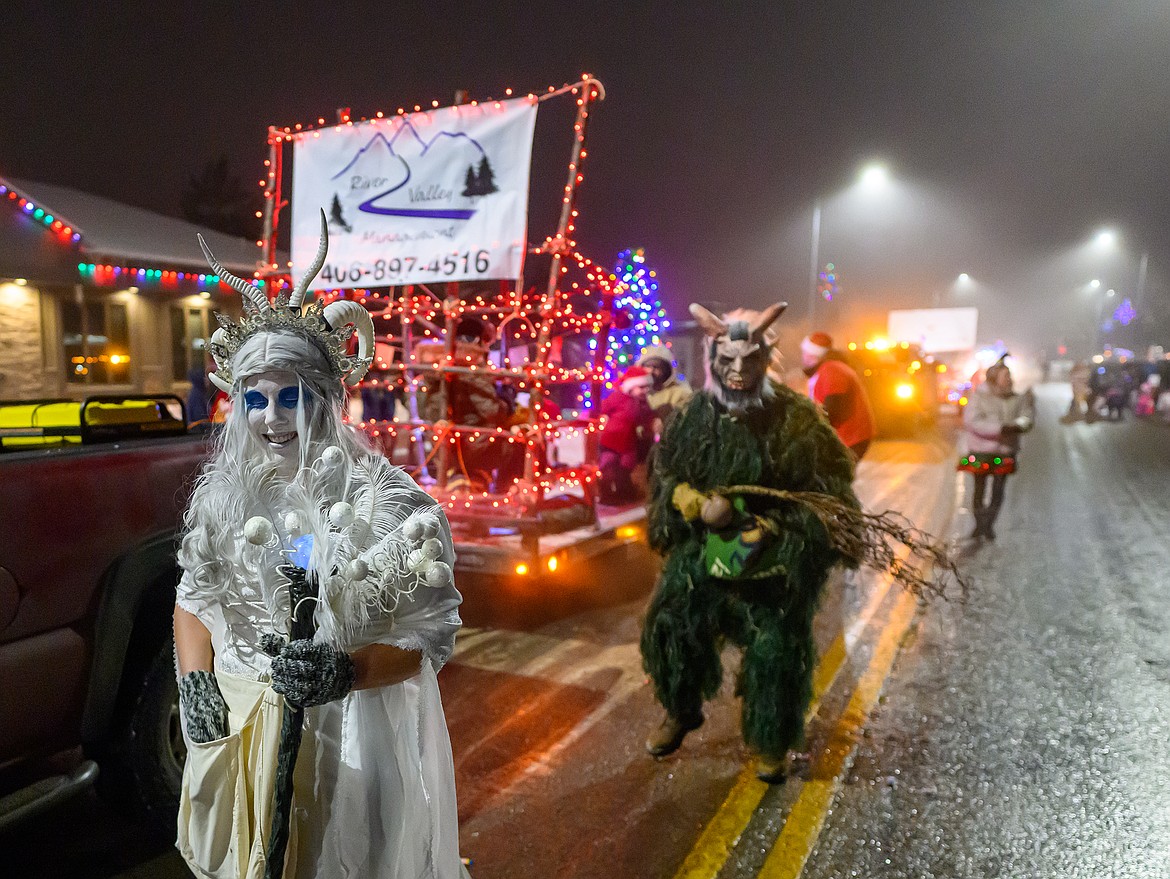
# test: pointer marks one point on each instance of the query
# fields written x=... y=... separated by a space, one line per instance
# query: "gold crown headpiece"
x=329 y=327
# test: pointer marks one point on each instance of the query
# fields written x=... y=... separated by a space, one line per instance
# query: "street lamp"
x=961 y=285
x=1105 y=238
x=1094 y=286
x=874 y=178
x=814 y=266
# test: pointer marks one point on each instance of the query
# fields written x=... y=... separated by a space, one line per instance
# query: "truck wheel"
x=146 y=768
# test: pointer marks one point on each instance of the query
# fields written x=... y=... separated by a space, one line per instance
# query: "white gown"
x=374 y=791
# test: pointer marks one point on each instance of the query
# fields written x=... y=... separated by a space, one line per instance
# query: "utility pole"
x=814 y=266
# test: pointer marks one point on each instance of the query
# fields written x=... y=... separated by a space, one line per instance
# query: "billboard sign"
x=935 y=329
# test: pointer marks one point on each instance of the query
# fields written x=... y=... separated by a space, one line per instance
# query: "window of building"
x=189 y=334
x=96 y=335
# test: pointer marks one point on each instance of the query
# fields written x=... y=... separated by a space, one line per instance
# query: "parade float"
x=491 y=350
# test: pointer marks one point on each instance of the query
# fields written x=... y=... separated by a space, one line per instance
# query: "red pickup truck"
x=91 y=499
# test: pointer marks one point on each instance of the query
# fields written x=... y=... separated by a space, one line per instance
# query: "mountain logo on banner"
x=337 y=216
x=408 y=175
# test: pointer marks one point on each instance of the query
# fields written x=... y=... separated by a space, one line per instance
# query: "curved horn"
x=298 y=295
x=214 y=378
x=249 y=291
x=767 y=316
x=709 y=321
x=345 y=311
x=218 y=339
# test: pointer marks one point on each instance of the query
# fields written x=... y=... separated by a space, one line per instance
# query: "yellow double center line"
x=800 y=831
x=807 y=816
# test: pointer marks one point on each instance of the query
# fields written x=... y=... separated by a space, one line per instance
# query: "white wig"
x=242 y=481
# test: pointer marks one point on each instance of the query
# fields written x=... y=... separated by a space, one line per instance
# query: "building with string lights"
x=101 y=297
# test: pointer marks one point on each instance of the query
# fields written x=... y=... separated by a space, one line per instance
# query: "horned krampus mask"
x=738 y=357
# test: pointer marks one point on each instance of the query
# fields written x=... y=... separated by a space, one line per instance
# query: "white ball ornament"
x=431 y=548
x=341 y=514
x=414 y=531
x=332 y=456
x=258 y=531
x=416 y=561
x=358 y=569
x=292 y=524
x=430 y=527
x=438 y=576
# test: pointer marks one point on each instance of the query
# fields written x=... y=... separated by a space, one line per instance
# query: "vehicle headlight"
x=904 y=391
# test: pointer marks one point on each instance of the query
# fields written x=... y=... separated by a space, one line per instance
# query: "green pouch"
x=744 y=550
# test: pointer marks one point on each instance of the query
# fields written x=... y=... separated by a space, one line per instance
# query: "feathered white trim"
x=374 y=487
x=365 y=564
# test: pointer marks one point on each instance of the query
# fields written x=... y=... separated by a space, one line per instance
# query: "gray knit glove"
x=203 y=707
x=306 y=673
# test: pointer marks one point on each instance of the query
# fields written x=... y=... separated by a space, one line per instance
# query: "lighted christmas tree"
x=639 y=318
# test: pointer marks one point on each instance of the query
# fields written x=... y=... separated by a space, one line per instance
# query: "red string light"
x=426 y=318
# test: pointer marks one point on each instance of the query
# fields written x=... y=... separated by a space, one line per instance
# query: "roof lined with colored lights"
x=109 y=231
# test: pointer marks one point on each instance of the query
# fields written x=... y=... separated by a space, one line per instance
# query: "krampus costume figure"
x=742 y=564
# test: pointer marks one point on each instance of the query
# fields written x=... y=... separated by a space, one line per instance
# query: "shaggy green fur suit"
x=785 y=444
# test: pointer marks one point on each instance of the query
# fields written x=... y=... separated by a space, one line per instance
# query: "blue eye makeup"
x=288 y=397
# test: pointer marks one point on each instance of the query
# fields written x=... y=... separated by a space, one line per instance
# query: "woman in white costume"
x=294 y=494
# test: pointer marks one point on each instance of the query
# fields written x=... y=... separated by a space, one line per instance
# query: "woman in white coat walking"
x=994 y=420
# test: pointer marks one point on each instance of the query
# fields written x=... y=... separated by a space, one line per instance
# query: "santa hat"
x=816 y=344
x=635 y=377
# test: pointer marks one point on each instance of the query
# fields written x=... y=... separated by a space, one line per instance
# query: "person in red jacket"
x=626 y=435
x=836 y=387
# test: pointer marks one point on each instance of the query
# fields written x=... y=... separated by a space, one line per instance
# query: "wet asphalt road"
x=1024 y=734
x=1027 y=734
x=548 y=708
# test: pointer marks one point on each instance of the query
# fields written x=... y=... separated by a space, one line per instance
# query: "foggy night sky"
x=1013 y=130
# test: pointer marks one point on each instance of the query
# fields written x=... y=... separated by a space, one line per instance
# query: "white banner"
x=436 y=196
x=935 y=329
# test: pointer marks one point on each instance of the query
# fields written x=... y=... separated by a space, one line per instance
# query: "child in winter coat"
x=626 y=435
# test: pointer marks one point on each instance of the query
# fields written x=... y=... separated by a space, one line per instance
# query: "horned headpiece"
x=739 y=353
x=739 y=326
x=330 y=327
